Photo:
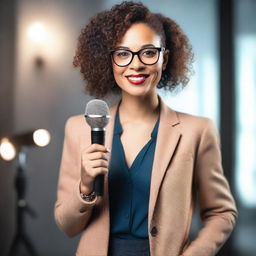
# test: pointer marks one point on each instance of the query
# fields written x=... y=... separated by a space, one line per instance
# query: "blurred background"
x=39 y=88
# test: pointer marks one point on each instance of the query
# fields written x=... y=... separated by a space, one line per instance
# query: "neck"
x=135 y=108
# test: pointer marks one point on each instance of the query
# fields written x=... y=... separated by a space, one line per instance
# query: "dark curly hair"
x=107 y=28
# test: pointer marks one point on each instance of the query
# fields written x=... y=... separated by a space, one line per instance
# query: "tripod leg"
x=14 y=246
x=29 y=246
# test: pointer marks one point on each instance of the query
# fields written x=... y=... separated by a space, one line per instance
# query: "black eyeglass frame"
x=159 y=49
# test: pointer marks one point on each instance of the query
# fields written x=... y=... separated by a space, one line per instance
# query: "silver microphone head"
x=97 y=114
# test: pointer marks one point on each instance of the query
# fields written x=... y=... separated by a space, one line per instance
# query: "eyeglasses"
x=148 y=56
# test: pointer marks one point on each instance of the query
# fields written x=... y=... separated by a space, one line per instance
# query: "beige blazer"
x=187 y=167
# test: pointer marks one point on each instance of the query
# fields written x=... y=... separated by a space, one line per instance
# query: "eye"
x=149 y=53
x=122 y=54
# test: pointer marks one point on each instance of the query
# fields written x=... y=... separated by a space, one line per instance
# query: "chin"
x=137 y=92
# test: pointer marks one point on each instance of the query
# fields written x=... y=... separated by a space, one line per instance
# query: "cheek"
x=114 y=70
x=157 y=71
x=117 y=73
x=117 y=70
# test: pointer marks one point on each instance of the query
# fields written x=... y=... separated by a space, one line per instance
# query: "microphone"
x=97 y=117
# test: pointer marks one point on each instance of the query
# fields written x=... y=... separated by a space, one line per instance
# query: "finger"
x=97 y=155
x=99 y=163
x=96 y=147
x=97 y=171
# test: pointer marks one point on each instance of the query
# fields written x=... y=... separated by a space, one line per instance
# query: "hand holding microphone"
x=95 y=158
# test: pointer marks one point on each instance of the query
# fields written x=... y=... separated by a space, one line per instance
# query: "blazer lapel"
x=167 y=140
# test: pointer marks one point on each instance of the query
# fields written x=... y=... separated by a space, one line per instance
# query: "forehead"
x=140 y=34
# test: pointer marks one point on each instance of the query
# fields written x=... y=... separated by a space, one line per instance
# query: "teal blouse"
x=129 y=188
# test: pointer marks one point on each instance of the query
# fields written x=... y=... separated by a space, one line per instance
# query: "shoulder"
x=193 y=125
x=76 y=126
x=197 y=121
x=183 y=120
x=74 y=122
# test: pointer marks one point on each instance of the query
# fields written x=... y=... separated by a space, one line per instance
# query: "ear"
x=166 y=57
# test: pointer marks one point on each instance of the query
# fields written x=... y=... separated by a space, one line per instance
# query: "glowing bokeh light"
x=41 y=137
x=37 y=32
x=7 y=150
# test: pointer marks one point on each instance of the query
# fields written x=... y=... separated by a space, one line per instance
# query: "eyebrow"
x=142 y=47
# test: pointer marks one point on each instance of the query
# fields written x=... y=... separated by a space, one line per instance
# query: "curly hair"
x=107 y=28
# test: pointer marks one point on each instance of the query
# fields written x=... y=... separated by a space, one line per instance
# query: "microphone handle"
x=98 y=137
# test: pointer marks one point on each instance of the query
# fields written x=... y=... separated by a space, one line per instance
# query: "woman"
x=160 y=160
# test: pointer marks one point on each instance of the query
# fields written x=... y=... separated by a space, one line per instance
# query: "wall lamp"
x=38 y=36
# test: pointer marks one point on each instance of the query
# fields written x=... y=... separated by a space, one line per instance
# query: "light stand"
x=21 y=207
x=8 y=149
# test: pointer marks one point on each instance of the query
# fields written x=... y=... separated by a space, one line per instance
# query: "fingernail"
x=108 y=149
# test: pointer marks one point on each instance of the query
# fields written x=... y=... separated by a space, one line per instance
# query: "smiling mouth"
x=137 y=79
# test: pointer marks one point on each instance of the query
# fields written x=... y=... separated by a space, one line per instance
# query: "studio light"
x=7 y=150
x=41 y=137
x=11 y=147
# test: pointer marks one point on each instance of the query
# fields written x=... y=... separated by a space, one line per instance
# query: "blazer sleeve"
x=217 y=207
x=71 y=212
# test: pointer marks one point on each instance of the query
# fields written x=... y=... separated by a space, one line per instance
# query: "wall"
x=245 y=172
x=44 y=97
x=7 y=55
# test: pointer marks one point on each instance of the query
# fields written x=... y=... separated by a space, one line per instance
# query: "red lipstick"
x=137 y=79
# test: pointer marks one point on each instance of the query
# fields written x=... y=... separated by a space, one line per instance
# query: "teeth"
x=136 y=78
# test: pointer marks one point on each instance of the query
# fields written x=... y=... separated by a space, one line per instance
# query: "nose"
x=136 y=64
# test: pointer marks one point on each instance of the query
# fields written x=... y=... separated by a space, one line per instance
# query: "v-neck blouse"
x=129 y=188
